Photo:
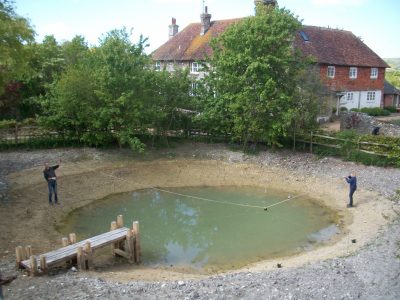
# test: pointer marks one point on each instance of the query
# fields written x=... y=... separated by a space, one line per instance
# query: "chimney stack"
x=205 y=21
x=173 y=28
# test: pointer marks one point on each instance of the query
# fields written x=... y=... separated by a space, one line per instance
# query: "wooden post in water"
x=28 y=252
x=72 y=238
x=43 y=265
x=34 y=266
x=136 y=233
x=80 y=258
x=19 y=256
x=120 y=224
x=129 y=245
x=113 y=245
x=120 y=221
x=64 y=242
x=88 y=255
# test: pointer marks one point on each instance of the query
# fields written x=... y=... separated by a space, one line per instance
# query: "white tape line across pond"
x=228 y=203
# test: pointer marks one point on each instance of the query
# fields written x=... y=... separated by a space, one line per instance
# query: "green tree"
x=252 y=89
x=171 y=102
x=74 y=51
x=15 y=33
x=394 y=78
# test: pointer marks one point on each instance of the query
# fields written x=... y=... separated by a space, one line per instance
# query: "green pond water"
x=184 y=232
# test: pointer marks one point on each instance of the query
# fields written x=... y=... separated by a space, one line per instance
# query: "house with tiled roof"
x=350 y=69
x=392 y=96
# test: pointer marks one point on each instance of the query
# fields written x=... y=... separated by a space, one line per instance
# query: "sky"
x=376 y=22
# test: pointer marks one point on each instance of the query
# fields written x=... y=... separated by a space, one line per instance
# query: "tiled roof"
x=390 y=89
x=327 y=46
x=189 y=45
x=337 y=47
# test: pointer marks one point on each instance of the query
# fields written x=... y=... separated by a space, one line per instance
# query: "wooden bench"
x=124 y=242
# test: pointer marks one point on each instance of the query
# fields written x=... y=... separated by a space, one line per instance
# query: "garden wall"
x=366 y=124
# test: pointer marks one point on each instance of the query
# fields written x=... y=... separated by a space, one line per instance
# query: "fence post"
x=311 y=142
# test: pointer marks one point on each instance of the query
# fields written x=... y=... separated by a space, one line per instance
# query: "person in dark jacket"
x=352 y=181
x=51 y=178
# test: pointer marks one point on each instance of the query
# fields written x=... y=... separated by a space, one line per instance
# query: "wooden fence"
x=21 y=134
x=337 y=143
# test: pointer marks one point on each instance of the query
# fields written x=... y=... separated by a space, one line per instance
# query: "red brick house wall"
x=342 y=81
x=389 y=101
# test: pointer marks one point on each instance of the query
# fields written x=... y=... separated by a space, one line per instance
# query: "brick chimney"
x=205 y=21
x=173 y=28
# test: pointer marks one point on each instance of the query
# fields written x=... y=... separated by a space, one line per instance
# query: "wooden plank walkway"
x=69 y=252
x=124 y=242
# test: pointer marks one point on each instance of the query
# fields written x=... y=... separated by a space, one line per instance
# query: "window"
x=331 y=71
x=157 y=66
x=304 y=36
x=371 y=96
x=350 y=96
x=374 y=73
x=195 y=68
x=193 y=90
x=353 y=73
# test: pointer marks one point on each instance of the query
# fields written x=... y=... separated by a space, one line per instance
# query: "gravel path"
x=372 y=273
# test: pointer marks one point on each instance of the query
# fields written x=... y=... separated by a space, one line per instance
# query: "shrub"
x=375 y=111
x=343 y=109
x=7 y=124
x=349 y=142
x=392 y=109
x=29 y=122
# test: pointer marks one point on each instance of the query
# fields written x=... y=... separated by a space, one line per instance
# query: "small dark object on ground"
x=279 y=266
x=354 y=241
x=7 y=280
x=266 y=208
x=375 y=131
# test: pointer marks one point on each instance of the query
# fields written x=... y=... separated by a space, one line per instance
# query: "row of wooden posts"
x=129 y=248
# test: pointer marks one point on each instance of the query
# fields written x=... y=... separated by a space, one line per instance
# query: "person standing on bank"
x=51 y=178
x=352 y=181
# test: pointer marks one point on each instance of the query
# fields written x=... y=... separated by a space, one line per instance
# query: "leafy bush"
x=343 y=109
x=375 y=111
x=29 y=121
x=348 y=142
x=392 y=109
x=7 y=124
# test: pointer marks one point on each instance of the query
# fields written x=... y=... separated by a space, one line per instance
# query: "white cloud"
x=339 y=2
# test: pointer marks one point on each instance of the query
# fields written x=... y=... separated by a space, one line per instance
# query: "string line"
x=224 y=202
x=201 y=198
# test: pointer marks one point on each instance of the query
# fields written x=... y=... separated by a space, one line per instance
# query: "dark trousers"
x=351 y=196
x=52 y=190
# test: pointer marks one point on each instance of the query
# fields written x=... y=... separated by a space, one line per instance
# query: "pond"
x=211 y=228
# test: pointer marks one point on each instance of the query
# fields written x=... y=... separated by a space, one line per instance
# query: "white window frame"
x=193 y=89
x=195 y=67
x=374 y=73
x=350 y=96
x=157 y=66
x=331 y=72
x=371 y=96
x=353 y=72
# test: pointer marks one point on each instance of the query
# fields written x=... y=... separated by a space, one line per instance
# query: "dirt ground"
x=88 y=175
